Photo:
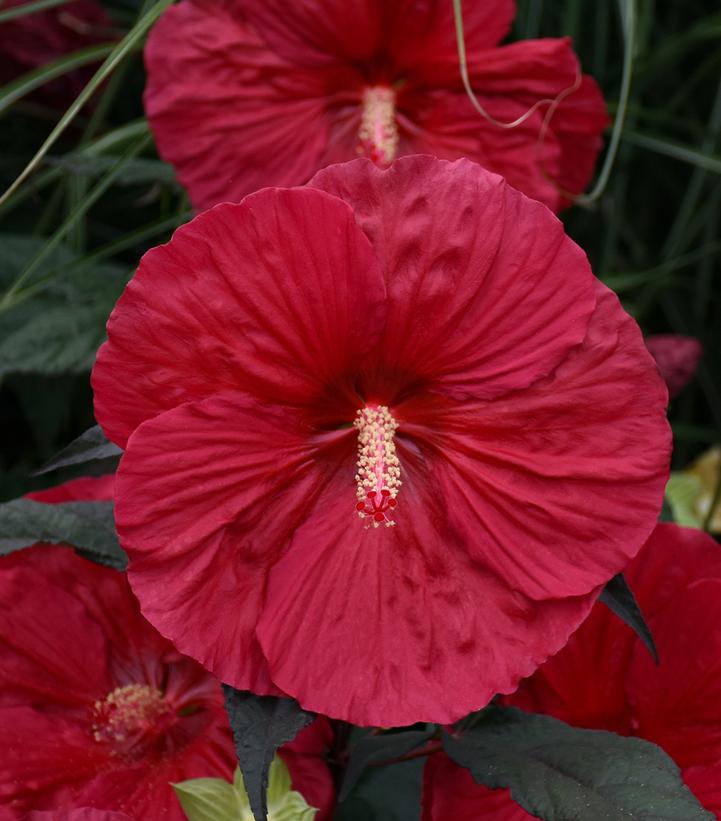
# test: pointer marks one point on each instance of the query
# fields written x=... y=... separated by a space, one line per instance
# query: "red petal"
x=208 y=495
x=319 y=32
x=422 y=34
x=516 y=293
x=585 y=684
x=45 y=658
x=389 y=626
x=705 y=784
x=84 y=489
x=678 y=703
x=673 y=558
x=451 y=794
x=412 y=33
x=508 y=82
x=280 y=295
x=533 y=479
x=44 y=757
x=235 y=117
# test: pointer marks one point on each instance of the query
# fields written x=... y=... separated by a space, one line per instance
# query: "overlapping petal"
x=382 y=626
x=319 y=32
x=605 y=678
x=530 y=461
x=676 y=704
x=550 y=151
x=208 y=496
x=44 y=671
x=485 y=291
x=279 y=295
x=255 y=120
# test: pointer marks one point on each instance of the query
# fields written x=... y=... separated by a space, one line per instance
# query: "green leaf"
x=619 y=598
x=89 y=527
x=208 y=799
x=28 y=8
x=683 y=492
x=88 y=447
x=132 y=41
x=385 y=794
x=375 y=748
x=57 y=324
x=260 y=725
x=136 y=172
x=560 y=773
x=212 y=799
x=709 y=162
x=24 y=85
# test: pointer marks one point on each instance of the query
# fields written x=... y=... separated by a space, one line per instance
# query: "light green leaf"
x=212 y=799
x=209 y=799
x=683 y=492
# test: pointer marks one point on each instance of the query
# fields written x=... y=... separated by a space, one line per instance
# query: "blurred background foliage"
x=73 y=231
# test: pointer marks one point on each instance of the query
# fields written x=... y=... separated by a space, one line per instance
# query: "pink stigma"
x=378 y=132
x=378 y=471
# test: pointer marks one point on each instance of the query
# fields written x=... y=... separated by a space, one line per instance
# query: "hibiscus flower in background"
x=243 y=94
x=32 y=40
x=605 y=679
x=96 y=708
x=387 y=437
x=83 y=814
x=677 y=358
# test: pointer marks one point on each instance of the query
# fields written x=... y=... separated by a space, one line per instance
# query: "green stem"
x=29 y=8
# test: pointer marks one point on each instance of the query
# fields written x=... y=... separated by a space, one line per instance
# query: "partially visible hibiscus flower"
x=605 y=679
x=96 y=708
x=32 y=40
x=677 y=358
x=386 y=436
x=247 y=93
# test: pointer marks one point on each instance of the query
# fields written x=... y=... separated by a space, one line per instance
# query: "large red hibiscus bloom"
x=96 y=708
x=31 y=40
x=247 y=93
x=605 y=679
x=386 y=437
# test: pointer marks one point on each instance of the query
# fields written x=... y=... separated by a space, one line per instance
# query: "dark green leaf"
x=374 y=748
x=88 y=447
x=619 y=598
x=138 y=171
x=260 y=725
x=386 y=794
x=89 y=527
x=56 y=323
x=560 y=773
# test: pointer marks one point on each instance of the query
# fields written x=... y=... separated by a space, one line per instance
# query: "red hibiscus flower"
x=386 y=437
x=677 y=358
x=96 y=708
x=83 y=814
x=247 y=93
x=605 y=678
x=32 y=40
